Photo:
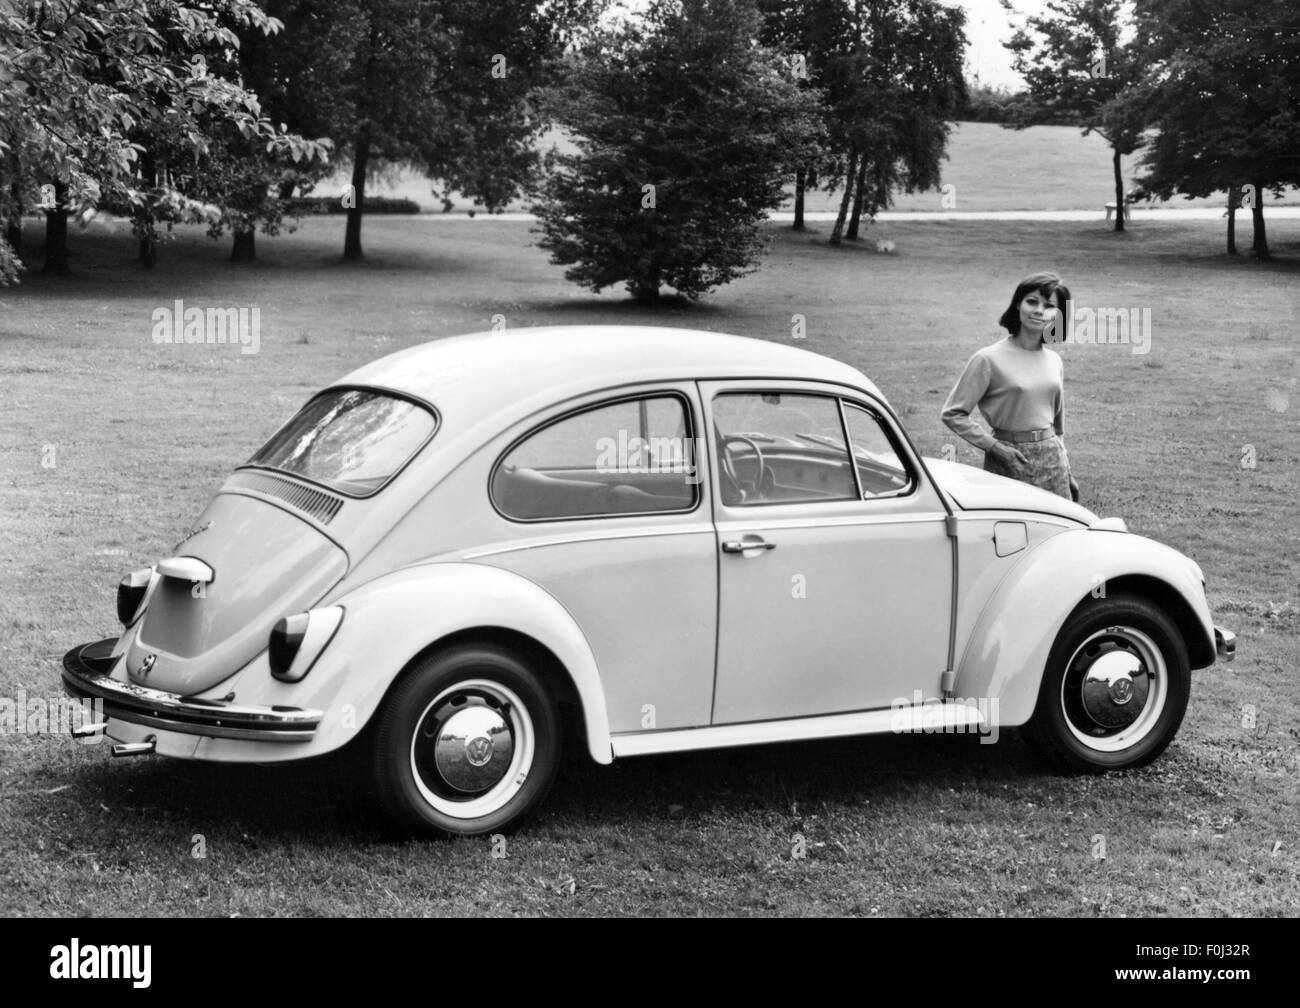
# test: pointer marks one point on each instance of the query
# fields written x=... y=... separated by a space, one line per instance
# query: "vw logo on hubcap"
x=478 y=750
x=1121 y=690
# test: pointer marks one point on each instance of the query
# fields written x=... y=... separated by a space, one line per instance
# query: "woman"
x=1017 y=384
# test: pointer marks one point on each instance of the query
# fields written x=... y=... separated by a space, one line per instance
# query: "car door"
x=835 y=576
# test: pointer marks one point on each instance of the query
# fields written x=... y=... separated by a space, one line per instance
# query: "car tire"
x=1114 y=689
x=466 y=744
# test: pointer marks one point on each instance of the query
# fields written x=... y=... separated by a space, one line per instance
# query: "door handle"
x=739 y=546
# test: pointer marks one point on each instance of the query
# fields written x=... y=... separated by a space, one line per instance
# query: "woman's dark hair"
x=1046 y=284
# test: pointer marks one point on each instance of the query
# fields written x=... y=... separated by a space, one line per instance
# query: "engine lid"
x=249 y=563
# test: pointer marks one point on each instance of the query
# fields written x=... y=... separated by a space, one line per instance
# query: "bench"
x=1110 y=211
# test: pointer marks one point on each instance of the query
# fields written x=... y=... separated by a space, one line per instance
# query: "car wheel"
x=1115 y=686
x=466 y=744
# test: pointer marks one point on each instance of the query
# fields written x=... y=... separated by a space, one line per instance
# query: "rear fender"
x=390 y=621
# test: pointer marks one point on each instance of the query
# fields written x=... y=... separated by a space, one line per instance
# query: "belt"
x=1019 y=437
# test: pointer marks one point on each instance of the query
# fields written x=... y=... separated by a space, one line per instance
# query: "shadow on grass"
x=103 y=264
x=628 y=310
x=328 y=801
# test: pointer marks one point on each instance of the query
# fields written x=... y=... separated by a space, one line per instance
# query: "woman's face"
x=1037 y=312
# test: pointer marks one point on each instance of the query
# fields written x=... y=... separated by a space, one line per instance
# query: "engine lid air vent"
x=316 y=503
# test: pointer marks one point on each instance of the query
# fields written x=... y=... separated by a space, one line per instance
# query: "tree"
x=1220 y=92
x=442 y=85
x=685 y=126
x=1078 y=70
x=80 y=82
x=807 y=32
x=890 y=72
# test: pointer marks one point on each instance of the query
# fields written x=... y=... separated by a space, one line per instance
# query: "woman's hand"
x=1009 y=455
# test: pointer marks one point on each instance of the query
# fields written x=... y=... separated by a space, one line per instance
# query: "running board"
x=928 y=718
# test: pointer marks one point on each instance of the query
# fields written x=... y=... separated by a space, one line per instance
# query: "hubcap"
x=1114 y=689
x=472 y=748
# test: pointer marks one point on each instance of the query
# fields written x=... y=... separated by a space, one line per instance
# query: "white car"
x=688 y=539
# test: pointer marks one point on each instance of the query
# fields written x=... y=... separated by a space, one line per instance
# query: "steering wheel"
x=762 y=475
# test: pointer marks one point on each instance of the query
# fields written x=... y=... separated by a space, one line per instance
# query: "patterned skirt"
x=1049 y=466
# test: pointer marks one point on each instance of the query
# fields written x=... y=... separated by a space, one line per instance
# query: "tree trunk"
x=1260 y=244
x=849 y=176
x=56 y=233
x=1120 y=204
x=352 y=236
x=645 y=291
x=800 y=180
x=245 y=248
x=857 y=200
x=14 y=226
x=148 y=257
x=1234 y=197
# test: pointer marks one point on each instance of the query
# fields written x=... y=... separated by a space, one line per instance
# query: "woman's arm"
x=965 y=397
x=1058 y=424
x=1058 y=421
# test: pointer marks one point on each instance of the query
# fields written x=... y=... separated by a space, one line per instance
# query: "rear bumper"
x=1225 y=643
x=86 y=676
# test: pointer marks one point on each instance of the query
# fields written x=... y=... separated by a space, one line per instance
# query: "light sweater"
x=1015 y=389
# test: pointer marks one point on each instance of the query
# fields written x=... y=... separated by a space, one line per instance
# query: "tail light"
x=131 y=593
x=297 y=641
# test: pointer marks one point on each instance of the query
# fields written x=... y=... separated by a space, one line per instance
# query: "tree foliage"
x=1080 y=66
x=890 y=72
x=1221 y=94
x=685 y=128
x=81 y=83
x=441 y=85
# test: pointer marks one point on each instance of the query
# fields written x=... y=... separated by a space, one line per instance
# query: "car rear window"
x=350 y=440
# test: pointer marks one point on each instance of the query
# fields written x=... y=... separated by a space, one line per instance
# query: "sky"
x=987 y=27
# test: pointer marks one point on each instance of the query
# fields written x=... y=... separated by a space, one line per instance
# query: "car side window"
x=634 y=456
x=881 y=472
x=781 y=448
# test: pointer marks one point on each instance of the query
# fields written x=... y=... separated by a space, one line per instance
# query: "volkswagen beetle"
x=688 y=539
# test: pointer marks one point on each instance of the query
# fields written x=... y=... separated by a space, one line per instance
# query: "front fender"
x=390 y=620
x=1007 y=652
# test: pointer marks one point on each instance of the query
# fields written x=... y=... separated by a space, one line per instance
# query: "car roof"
x=520 y=370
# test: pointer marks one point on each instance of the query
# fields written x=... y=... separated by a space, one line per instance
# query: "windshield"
x=351 y=440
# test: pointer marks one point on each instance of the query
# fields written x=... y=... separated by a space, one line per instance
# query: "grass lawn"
x=139 y=435
x=990 y=168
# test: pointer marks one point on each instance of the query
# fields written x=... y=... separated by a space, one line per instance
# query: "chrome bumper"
x=86 y=676
x=1225 y=642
